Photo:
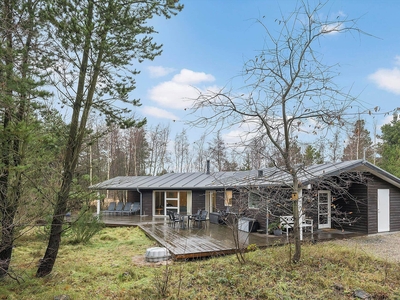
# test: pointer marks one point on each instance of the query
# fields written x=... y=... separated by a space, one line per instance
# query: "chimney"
x=208 y=167
x=260 y=174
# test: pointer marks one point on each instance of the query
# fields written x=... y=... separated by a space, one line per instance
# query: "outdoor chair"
x=201 y=218
x=170 y=215
x=174 y=218
x=135 y=207
x=287 y=222
x=127 y=209
x=110 y=208
x=119 y=208
x=192 y=217
x=178 y=219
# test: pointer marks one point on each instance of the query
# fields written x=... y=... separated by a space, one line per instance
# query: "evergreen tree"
x=95 y=44
x=312 y=156
x=390 y=146
x=21 y=54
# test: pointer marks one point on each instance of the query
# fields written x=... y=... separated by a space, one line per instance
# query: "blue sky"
x=207 y=43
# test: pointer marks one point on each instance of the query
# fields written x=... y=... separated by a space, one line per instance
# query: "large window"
x=228 y=198
x=254 y=200
x=176 y=201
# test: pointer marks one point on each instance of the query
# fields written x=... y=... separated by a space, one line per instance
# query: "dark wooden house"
x=368 y=199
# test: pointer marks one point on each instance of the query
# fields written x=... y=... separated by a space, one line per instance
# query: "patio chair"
x=135 y=207
x=110 y=208
x=174 y=218
x=119 y=208
x=201 y=218
x=127 y=209
x=192 y=217
x=170 y=215
x=178 y=219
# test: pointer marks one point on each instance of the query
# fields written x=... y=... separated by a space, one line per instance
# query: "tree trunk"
x=48 y=261
x=296 y=232
x=6 y=245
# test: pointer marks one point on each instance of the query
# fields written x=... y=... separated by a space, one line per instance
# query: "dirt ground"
x=383 y=245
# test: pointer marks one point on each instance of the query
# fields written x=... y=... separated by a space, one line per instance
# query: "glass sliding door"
x=159 y=203
x=172 y=201
x=175 y=201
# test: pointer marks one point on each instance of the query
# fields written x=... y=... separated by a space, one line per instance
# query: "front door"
x=383 y=210
x=324 y=209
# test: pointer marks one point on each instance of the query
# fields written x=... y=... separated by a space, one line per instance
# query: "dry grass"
x=113 y=267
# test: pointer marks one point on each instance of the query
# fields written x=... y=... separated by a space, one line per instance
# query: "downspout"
x=141 y=201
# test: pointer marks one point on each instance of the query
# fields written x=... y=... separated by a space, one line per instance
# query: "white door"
x=383 y=210
x=324 y=209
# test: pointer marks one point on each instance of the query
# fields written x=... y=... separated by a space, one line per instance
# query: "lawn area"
x=112 y=266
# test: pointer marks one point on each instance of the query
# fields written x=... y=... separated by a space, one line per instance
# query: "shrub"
x=84 y=227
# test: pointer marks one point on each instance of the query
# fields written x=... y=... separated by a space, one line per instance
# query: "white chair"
x=287 y=222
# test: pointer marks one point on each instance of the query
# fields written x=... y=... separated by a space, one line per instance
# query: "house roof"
x=270 y=177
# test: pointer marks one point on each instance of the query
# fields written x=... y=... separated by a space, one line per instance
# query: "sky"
x=206 y=45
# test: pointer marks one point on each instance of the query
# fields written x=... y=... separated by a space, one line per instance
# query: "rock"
x=361 y=294
x=62 y=297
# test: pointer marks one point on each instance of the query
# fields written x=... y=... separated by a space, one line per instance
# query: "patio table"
x=185 y=219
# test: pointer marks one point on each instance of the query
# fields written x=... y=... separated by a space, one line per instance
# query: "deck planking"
x=184 y=243
x=211 y=239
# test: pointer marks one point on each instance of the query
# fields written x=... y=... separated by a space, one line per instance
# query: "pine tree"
x=390 y=146
x=95 y=44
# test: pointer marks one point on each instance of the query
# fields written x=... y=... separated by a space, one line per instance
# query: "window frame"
x=228 y=201
x=249 y=200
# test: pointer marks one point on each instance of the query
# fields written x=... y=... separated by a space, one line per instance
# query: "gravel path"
x=383 y=245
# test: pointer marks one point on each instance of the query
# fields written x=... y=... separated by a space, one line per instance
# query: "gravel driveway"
x=383 y=245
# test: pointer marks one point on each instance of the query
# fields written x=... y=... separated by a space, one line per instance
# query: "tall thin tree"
x=95 y=44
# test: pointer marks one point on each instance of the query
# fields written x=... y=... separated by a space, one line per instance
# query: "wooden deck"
x=210 y=240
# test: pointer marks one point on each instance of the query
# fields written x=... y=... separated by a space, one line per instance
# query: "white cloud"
x=179 y=92
x=388 y=79
x=159 y=71
x=190 y=77
x=158 y=113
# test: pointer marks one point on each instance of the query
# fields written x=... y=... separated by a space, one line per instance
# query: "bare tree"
x=200 y=154
x=137 y=151
x=217 y=152
x=290 y=92
x=158 y=147
x=182 y=154
x=336 y=146
x=358 y=141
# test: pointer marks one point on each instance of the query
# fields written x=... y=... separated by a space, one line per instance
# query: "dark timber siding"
x=147 y=205
x=198 y=200
x=366 y=208
x=357 y=208
x=133 y=196
x=394 y=193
